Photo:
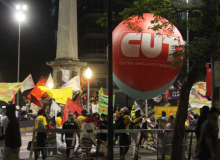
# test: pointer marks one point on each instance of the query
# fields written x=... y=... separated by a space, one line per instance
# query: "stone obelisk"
x=67 y=42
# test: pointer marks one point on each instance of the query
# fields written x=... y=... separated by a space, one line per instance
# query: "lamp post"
x=187 y=34
x=88 y=76
x=20 y=17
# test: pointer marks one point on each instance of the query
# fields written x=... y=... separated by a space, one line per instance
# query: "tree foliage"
x=204 y=25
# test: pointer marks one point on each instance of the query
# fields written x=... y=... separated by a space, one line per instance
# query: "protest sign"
x=95 y=108
x=26 y=129
x=174 y=94
x=7 y=91
x=103 y=103
x=28 y=83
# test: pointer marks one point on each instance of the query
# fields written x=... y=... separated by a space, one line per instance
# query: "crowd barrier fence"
x=159 y=139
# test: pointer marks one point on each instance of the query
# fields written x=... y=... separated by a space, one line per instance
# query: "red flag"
x=106 y=94
x=36 y=91
x=36 y=101
x=166 y=96
x=72 y=107
x=13 y=101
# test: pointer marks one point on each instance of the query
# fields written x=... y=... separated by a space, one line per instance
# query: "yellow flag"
x=101 y=90
x=7 y=91
x=60 y=95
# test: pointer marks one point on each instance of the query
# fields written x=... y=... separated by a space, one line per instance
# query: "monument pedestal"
x=73 y=65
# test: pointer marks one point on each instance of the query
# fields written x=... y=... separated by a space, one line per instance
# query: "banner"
x=95 y=108
x=65 y=75
x=134 y=107
x=60 y=95
x=159 y=109
x=174 y=94
x=54 y=109
x=7 y=91
x=27 y=84
x=26 y=129
x=74 y=83
x=103 y=103
x=36 y=91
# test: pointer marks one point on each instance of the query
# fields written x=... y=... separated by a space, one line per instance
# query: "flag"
x=36 y=91
x=82 y=82
x=54 y=109
x=27 y=83
x=101 y=90
x=36 y=101
x=49 y=83
x=60 y=95
x=166 y=95
x=7 y=91
x=65 y=75
x=74 y=83
x=72 y=107
x=103 y=103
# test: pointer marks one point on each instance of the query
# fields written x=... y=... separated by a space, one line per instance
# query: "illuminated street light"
x=20 y=17
x=88 y=76
x=50 y=85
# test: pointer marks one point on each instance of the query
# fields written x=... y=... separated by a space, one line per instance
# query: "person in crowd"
x=117 y=109
x=194 y=123
x=4 y=122
x=96 y=116
x=88 y=139
x=169 y=134
x=170 y=122
x=162 y=120
x=103 y=124
x=81 y=118
x=125 y=139
x=208 y=140
x=58 y=120
x=23 y=116
x=92 y=100
x=69 y=124
x=40 y=123
x=19 y=111
x=203 y=116
x=137 y=122
x=83 y=98
x=28 y=103
x=12 y=135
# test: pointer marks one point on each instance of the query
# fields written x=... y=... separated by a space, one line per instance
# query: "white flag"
x=74 y=83
x=49 y=83
x=65 y=75
x=54 y=109
x=95 y=108
x=27 y=83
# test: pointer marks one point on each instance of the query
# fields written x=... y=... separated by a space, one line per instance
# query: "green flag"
x=103 y=103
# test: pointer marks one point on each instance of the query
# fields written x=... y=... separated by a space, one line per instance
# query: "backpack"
x=41 y=125
x=120 y=123
x=131 y=125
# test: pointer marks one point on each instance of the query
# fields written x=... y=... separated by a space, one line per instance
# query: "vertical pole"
x=110 y=84
x=19 y=39
x=146 y=108
x=212 y=82
x=187 y=18
x=88 y=106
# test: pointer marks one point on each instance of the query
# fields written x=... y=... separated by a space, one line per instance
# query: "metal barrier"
x=162 y=141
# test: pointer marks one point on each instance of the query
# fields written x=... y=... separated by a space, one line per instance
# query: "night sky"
x=38 y=44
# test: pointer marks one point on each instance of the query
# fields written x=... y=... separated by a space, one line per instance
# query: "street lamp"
x=88 y=76
x=20 y=17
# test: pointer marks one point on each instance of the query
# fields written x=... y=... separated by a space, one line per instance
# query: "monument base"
x=73 y=65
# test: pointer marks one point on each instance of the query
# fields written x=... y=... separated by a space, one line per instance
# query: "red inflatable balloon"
x=141 y=61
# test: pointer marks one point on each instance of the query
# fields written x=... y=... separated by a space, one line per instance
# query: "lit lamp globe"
x=50 y=85
x=88 y=73
x=20 y=17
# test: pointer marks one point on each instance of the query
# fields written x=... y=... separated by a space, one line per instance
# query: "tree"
x=204 y=23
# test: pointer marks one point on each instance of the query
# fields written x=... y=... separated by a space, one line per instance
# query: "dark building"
x=92 y=38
